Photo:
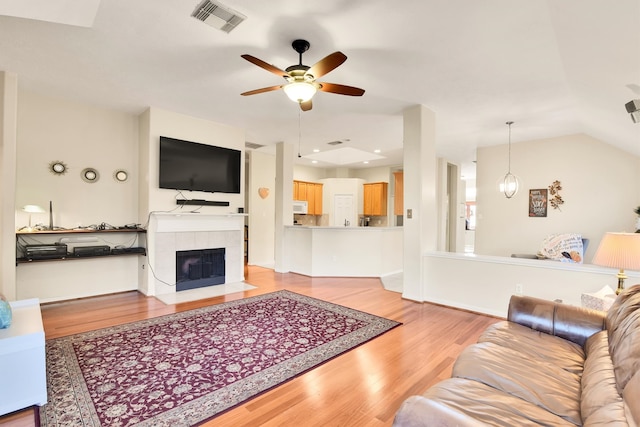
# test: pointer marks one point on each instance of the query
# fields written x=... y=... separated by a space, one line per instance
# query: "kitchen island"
x=344 y=251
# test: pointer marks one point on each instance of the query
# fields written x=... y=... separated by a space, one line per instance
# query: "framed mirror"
x=57 y=167
x=121 y=175
x=90 y=175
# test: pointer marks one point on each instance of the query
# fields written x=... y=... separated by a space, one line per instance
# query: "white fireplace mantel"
x=172 y=222
x=171 y=232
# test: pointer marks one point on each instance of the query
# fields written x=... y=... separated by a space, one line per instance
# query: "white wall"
x=379 y=174
x=81 y=136
x=601 y=185
x=261 y=211
x=309 y=174
x=8 y=143
x=484 y=284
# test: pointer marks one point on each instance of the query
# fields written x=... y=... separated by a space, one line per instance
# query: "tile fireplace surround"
x=169 y=233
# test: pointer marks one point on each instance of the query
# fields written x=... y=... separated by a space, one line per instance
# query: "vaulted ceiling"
x=553 y=67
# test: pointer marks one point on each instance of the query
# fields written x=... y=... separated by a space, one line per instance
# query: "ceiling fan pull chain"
x=299 y=131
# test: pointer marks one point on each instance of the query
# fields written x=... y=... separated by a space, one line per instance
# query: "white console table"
x=22 y=359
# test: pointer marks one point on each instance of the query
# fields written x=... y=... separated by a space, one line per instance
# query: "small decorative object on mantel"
x=554 y=190
x=57 y=167
x=5 y=313
x=538 y=203
x=263 y=192
x=637 y=212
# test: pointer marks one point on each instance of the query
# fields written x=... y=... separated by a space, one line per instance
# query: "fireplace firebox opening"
x=199 y=268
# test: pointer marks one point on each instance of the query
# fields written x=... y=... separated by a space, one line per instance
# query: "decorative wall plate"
x=121 y=175
x=58 y=167
x=90 y=175
x=263 y=192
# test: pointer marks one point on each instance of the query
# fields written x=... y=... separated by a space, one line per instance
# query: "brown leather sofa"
x=548 y=364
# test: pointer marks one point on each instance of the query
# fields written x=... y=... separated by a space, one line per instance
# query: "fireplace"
x=169 y=233
x=198 y=268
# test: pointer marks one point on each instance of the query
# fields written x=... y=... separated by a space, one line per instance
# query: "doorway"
x=343 y=211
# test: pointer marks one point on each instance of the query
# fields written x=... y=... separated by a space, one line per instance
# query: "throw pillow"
x=5 y=313
x=563 y=247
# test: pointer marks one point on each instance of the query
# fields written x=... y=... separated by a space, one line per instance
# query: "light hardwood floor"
x=363 y=387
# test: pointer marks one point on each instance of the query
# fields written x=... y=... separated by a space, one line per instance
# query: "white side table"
x=23 y=378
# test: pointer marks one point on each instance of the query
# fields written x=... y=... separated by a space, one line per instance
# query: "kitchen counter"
x=344 y=251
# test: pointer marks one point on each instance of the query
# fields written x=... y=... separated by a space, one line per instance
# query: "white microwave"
x=300 y=207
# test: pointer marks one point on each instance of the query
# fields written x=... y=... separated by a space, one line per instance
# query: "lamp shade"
x=300 y=91
x=619 y=250
x=33 y=209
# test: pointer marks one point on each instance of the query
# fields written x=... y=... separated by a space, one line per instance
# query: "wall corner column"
x=8 y=149
x=420 y=196
x=283 y=203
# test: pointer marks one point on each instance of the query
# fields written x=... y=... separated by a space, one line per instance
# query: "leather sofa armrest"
x=572 y=323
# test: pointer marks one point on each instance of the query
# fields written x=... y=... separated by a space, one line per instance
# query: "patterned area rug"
x=184 y=368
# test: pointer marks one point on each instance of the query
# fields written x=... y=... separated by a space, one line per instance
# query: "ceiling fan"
x=301 y=79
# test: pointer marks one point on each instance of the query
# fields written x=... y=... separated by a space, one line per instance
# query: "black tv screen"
x=192 y=166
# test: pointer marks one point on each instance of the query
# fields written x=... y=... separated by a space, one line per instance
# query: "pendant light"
x=510 y=184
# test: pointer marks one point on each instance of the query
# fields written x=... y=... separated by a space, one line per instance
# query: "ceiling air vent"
x=252 y=145
x=218 y=16
x=334 y=142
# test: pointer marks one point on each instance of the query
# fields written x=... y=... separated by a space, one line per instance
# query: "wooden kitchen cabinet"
x=299 y=190
x=317 y=196
x=311 y=192
x=398 y=201
x=375 y=198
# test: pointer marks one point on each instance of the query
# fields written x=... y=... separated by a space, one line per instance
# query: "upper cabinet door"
x=375 y=198
x=311 y=192
x=398 y=201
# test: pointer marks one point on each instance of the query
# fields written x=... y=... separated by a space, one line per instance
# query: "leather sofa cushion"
x=598 y=381
x=631 y=398
x=464 y=403
x=536 y=381
x=623 y=325
x=611 y=415
x=536 y=345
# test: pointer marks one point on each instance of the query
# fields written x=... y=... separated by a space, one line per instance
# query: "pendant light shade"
x=510 y=184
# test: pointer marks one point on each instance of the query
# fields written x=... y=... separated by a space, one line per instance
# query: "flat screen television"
x=192 y=166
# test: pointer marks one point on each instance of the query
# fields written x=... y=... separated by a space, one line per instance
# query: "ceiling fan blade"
x=271 y=68
x=327 y=64
x=262 y=90
x=306 y=106
x=340 y=89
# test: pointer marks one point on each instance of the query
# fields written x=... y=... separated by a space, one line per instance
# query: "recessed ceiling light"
x=376 y=151
x=314 y=161
x=365 y=162
x=316 y=150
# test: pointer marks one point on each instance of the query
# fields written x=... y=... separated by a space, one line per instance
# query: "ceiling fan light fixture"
x=300 y=91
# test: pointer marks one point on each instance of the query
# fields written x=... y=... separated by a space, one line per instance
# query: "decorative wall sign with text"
x=538 y=203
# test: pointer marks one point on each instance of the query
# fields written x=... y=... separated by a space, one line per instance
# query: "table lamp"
x=31 y=209
x=619 y=250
